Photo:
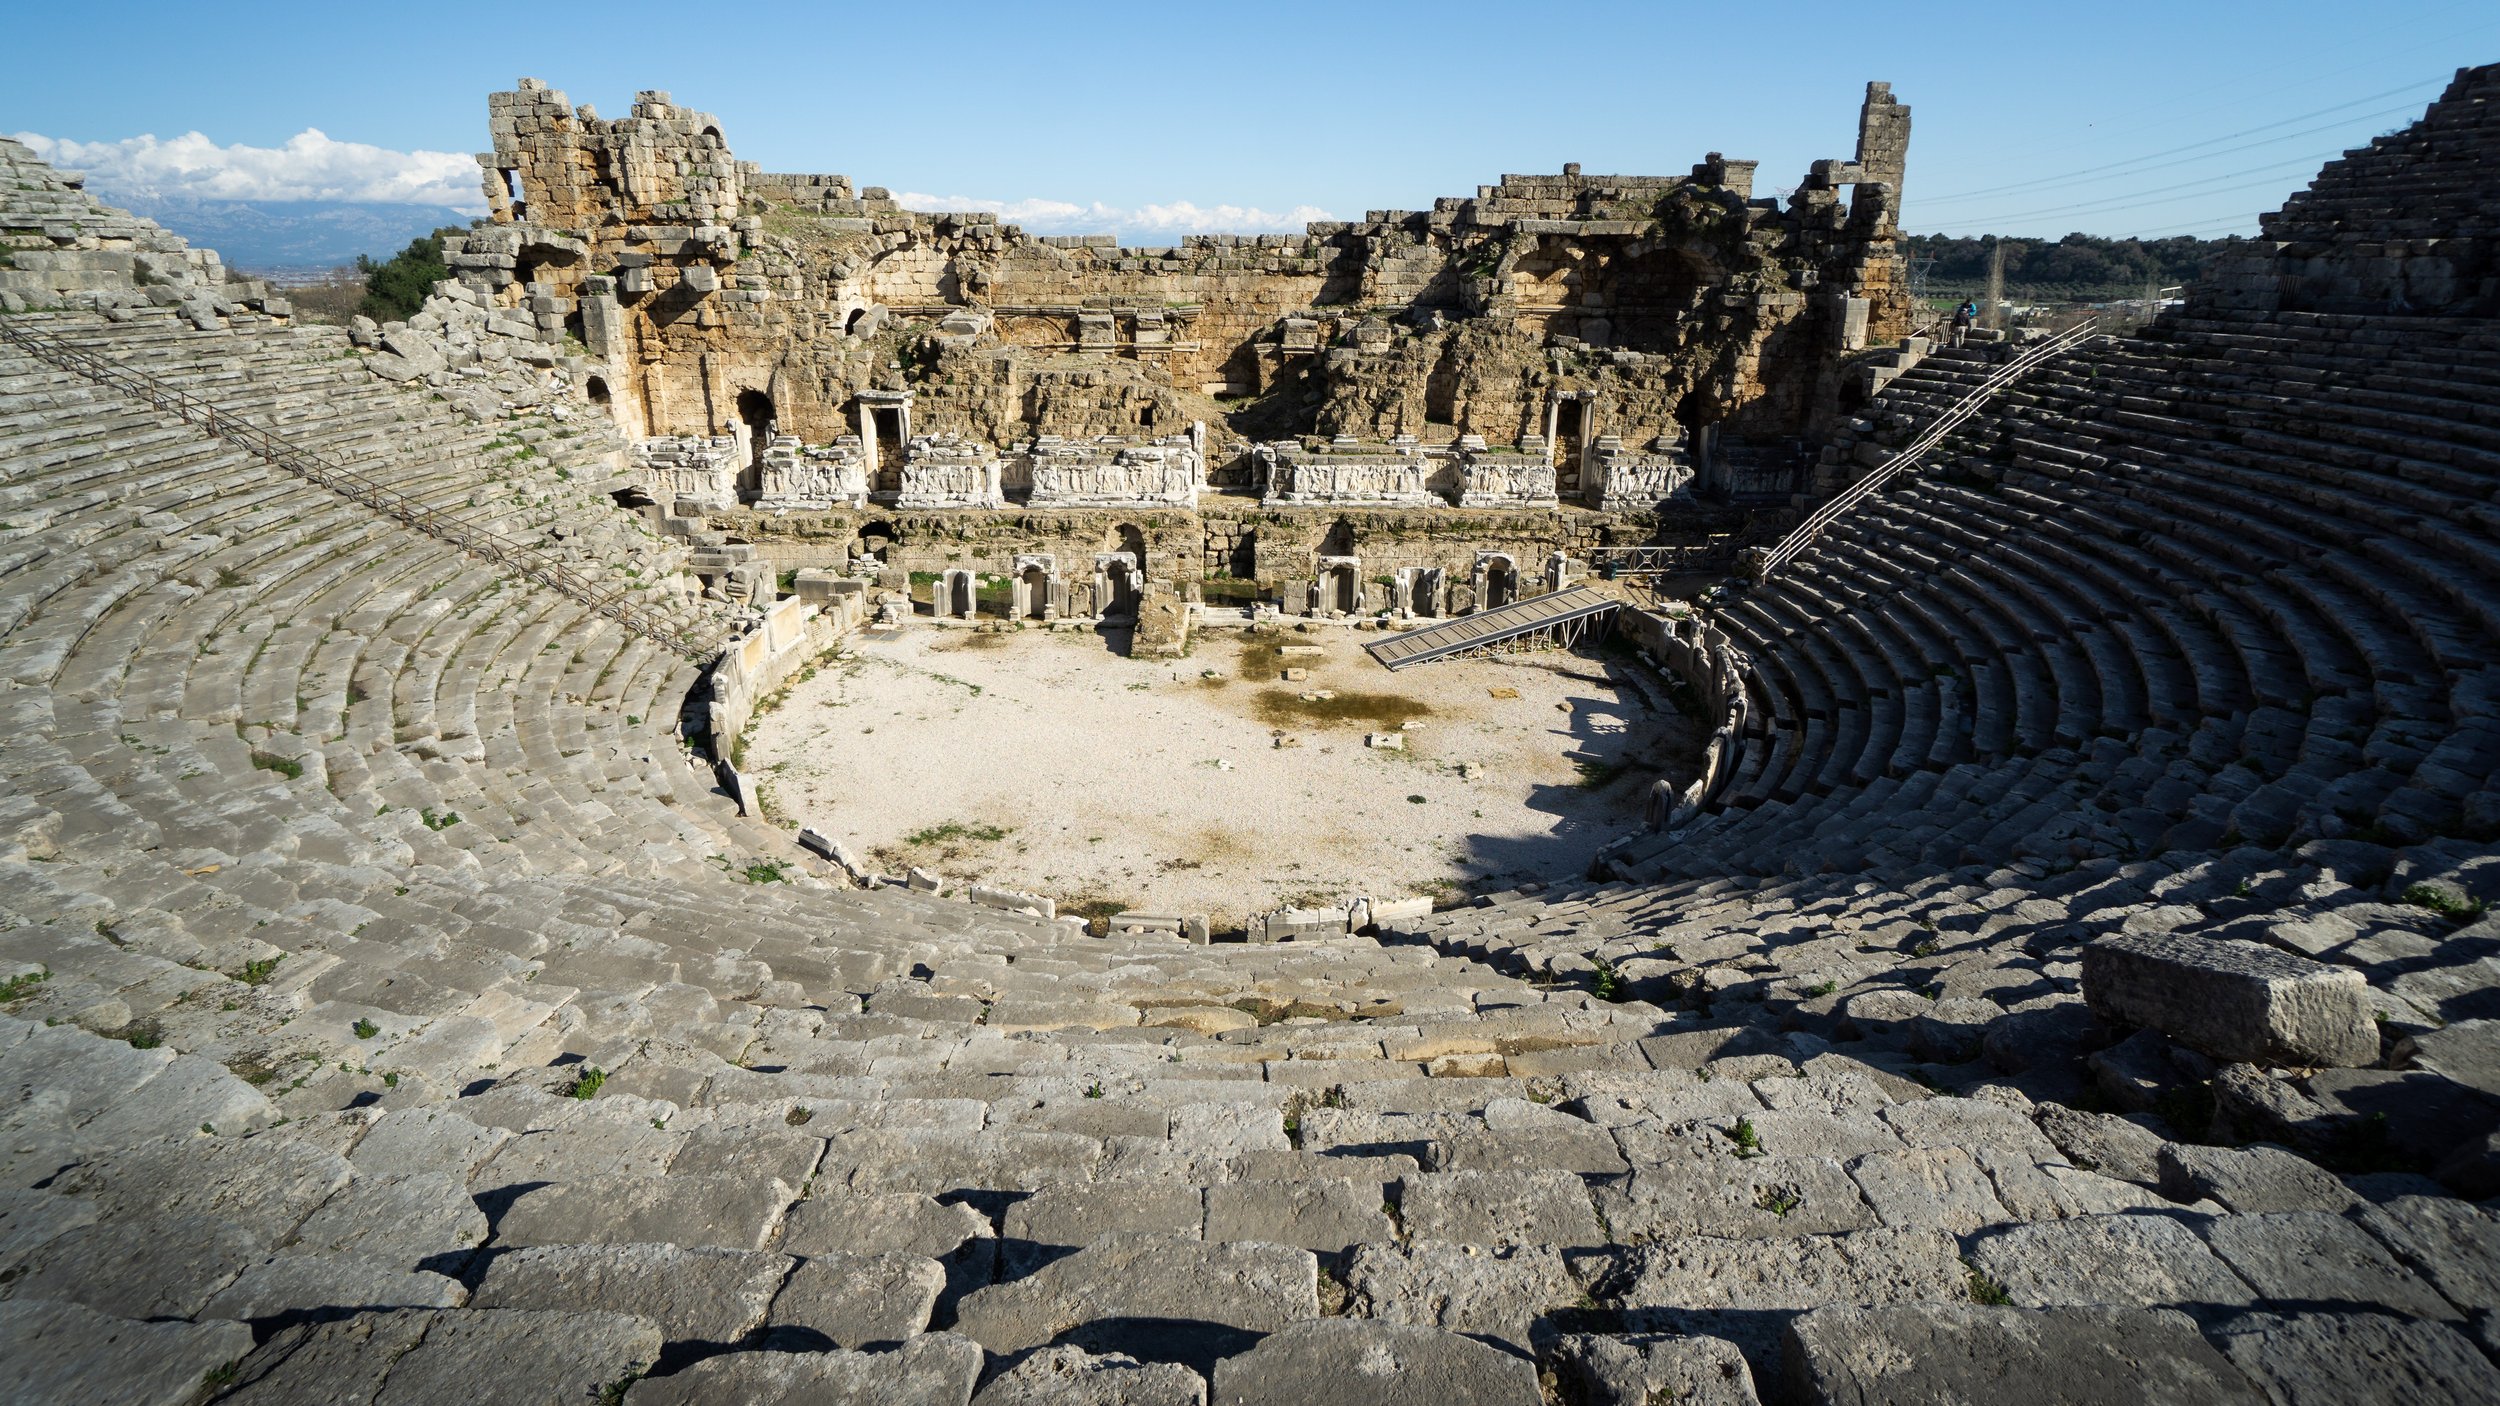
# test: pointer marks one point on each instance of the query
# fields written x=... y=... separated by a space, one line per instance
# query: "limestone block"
x=1636 y=1369
x=2300 y=1257
x=1878 y=1267
x=1966 y=1352
x=1166 y=1296
x=716 y=1296
x=1071 y=1376
x=62 y=1352
x=2127 y=1261
x=287 y=1285
x=2250 y=1180
x=2320 y=1359
x=526 y=1356
x=2233 y=1000
x=1499 y=1208
x=855 y=1301
x=1486 y=1294
x=725 y=1212
x=1326 y=1215
x=1351 y=1362
x=935 y=1369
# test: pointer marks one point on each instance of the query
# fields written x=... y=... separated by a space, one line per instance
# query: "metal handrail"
x=1796 y=542
x=319 y=469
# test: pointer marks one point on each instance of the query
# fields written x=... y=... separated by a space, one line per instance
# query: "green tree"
x=395 y=289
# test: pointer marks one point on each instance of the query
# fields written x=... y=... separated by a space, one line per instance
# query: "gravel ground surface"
x=1051 y=763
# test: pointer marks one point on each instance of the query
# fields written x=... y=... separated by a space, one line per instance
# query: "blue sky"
x=2117 y=118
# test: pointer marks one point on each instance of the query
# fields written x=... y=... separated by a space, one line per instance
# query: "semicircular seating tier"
x=392 y=1013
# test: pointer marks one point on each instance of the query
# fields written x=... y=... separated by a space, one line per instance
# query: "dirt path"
x=1046 y=762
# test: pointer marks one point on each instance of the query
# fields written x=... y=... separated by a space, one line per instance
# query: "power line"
x=2072 y=176
x=2129 y=202
x=2183 y=161
x=2277 y=81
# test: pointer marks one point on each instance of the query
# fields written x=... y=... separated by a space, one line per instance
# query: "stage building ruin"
x=1653 y=349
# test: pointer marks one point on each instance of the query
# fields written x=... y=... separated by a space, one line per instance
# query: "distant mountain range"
x=292 y=236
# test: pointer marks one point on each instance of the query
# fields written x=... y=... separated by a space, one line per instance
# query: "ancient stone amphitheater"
x=2071 y=982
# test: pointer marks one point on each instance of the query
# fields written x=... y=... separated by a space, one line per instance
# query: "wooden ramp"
x=1564 y=617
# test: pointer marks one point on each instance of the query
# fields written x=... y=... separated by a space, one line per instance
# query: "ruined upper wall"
x=1658 y=303
x=566 y=168
x=2406 y=224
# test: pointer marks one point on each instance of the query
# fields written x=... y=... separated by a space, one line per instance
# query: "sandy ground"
x=1048 y=762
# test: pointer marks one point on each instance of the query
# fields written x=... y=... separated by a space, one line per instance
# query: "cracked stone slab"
x=1637 y=1369
x=1463 y=1288
x=1080 y=1215
x=2310 y=1257
x=872 y=1223
x=140 y=1266
x=859 y=1301
x=1881 y=1266
x=264 y=1185
x=2251 y=1180
x=2126 y=1261
x=412 y=1141
x=1499 y=1208
x=1070 y=1376
x=694 y=1295
x=1735 y=1197
x=62 y=1352
x=1935 y=1188
x=1849 y=1356
x=1314 y=1215
x=1155 y=1297
x=2327 y=1359
x=517 y=1356
x=936 y=1369
x=286 y=1284
x=29 y=1220
x=333 y=1362
x=1353 y=1362
x=402 y=1218
x=2454 y=1245
x=708 y=1212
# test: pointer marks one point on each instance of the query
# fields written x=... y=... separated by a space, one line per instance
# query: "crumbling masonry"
x=1614 y=341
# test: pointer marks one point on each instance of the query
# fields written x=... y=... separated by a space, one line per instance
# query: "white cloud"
x=310 y=166
x=1179 y=217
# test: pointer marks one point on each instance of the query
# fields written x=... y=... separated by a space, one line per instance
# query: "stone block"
x=1847 y=1356
x=1071 y=1376
x=2233 y=1000
x=2326 y=1359
x=60 y=1352
x=1350 y=1362
x=2124 y=1261
x=1637 y=1369
x=1156 y=1297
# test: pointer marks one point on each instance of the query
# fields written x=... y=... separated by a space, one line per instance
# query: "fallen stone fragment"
x=2233 y=1000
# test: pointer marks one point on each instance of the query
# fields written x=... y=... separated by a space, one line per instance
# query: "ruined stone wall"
x=1542 y=313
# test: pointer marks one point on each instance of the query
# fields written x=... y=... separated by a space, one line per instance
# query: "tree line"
x=2079 y=267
